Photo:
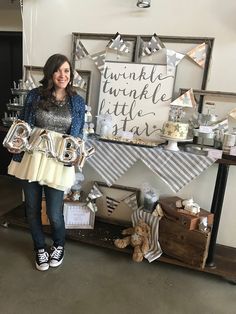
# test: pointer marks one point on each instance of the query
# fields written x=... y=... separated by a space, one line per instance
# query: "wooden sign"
x=137 y=97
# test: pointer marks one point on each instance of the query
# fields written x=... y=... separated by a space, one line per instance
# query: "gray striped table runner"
x=176 y=169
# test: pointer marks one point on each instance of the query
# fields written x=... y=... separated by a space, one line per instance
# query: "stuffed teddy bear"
x=138 y=237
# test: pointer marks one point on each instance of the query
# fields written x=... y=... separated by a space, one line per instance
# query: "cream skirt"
x=37 y=166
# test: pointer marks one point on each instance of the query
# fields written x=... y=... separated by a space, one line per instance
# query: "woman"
x=54 y=107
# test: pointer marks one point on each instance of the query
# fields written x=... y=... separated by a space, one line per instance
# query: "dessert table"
x=177 y=169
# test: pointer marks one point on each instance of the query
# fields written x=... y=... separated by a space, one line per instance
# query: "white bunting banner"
x=117 y=43
x=198 y=54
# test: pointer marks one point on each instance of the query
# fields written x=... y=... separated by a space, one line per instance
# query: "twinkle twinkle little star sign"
x=137 y=96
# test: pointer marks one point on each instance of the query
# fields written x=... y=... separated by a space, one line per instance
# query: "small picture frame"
x=117 y=203
x=78 y=215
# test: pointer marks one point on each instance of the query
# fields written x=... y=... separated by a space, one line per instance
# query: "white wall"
x=48 y=28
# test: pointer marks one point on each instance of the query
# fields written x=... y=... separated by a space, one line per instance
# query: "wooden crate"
x=188 y=221
x=188 y=246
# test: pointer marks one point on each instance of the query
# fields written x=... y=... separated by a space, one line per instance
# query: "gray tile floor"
x=94 y=280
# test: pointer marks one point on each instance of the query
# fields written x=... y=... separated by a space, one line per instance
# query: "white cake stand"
x=173 y=142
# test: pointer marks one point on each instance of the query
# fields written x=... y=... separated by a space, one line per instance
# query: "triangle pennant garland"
x=145 y=49
x=95 y=192
x=99 y=59
x=117 y=43
x=111 y=204
x=154 y=45
x=78 y=81
x=80 y=50
x=185 y=100
x=198 y=54
x=30 y=81
x=172 y=59
x=131 y=201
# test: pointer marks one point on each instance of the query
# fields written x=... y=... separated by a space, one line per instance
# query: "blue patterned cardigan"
x=77 y=109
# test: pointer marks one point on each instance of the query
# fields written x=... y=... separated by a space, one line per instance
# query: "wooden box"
x=188 y=246
x=188 y=221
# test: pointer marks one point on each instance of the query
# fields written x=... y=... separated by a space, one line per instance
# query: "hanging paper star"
x=99 y=59
x=118 y=44
x=198 y=54
x=80 y=50
x=172 y=59
x=154 y=45
x=78 y=81
x=185 y=100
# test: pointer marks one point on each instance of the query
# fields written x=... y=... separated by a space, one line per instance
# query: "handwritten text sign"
x=137 y=96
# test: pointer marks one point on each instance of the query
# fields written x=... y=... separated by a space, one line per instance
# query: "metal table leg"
x=216 y=208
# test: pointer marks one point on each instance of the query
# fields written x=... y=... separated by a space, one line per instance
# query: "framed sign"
x=91 y=51
x=78 y=216
x=117 y=203
x=137 y=97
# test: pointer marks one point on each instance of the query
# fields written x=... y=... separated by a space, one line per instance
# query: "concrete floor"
x=93 y=280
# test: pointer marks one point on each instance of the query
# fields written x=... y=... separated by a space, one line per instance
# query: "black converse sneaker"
x=56 y=256
x=42 y=260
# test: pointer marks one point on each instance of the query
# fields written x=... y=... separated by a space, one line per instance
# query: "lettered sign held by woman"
x=68 y=149
x=137 y=96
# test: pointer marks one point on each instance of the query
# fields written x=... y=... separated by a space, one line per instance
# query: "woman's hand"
x=13 y=150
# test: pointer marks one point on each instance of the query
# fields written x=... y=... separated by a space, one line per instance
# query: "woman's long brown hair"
x=51 y=66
